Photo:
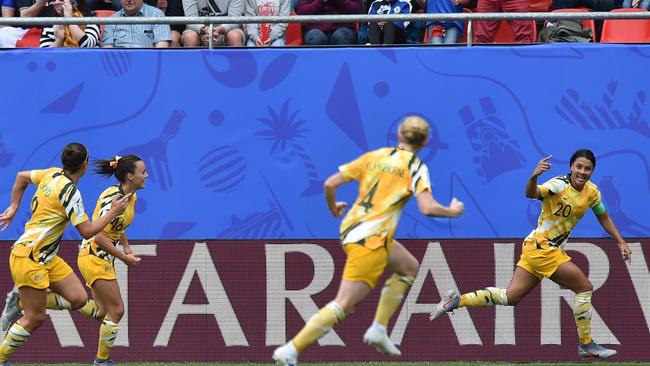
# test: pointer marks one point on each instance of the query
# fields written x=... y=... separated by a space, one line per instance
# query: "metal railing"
x=342 y=18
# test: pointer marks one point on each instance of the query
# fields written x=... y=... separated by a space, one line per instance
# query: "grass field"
x=473 y=363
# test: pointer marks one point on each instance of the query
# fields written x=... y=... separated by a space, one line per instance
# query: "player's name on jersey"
x=388 y=168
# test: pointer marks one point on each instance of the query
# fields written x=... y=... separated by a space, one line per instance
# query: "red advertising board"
x=238 y=300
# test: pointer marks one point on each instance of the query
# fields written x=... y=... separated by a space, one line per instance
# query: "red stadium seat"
x=540 y=5
x=587 y=23
x=31 y=39
x=506 y=35
x=294 y=33
x=626 y=30
x=103 y=14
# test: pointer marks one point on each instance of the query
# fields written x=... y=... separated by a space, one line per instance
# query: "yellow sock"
x=15 y=338
x=488 y=296
x=391 y=296
x=57 y=302
x=107 y=334
x=319 y=325
x=582 y=315
x=91 y=310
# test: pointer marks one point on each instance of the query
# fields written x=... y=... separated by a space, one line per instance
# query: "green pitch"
x=474 y=363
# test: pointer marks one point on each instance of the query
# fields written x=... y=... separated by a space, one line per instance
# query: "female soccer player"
x=565 y=199
x=97 y=254
x=34 y=263
x=387 y=178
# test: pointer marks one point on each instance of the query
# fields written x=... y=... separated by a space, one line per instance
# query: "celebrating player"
x=387 y=178
x=34 y=263
x=565 y=199
x=97 y=254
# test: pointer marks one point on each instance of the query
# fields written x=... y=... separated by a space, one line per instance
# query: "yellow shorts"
x=26 y=272
x=93 y=268
x=364 y=264
x=541 y=262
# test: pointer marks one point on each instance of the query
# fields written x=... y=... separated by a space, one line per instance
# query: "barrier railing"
x=341 y=18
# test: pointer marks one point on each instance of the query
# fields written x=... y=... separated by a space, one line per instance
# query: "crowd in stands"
x=273 y=35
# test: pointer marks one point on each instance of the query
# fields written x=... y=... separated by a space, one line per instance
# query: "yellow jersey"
x=56 y=201
x=115 y=228
x=562 y=207
x=387 y=178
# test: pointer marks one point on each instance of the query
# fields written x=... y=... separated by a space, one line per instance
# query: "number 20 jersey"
x=562 y=207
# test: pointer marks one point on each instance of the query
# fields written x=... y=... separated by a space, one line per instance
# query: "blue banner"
x=238 y=142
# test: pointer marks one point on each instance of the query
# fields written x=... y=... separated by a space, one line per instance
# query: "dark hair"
x=118 y=166
x=583 y=153
x=73 y=156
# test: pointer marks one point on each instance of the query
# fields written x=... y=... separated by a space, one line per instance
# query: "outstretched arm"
x=607 y=224
x=331 y=185
x=20 y=185
x=430 y=207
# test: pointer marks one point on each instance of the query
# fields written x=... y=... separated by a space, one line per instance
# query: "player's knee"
x=78 y=301
x=117 y=312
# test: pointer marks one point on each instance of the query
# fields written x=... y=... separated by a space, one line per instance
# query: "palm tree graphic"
x=284 y=128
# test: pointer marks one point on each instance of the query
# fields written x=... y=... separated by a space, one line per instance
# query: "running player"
x=565 y=199
x=34 y=263
x=387 y=178
x=97 y=254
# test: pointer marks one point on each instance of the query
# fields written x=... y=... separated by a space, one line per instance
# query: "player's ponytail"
x=414 y=131
x=119 y=166
x=73 y=156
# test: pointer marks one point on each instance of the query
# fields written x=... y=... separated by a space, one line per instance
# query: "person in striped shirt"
x=387 y=178
x=34 y=263
x=72 y=35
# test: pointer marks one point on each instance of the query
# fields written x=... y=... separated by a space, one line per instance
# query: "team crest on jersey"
x=107 y=268
x=397 y=10
x=38 y=277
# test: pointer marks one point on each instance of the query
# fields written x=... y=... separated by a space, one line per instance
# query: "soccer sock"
x=57 y=302
x=91 y=310
x=488 y=296
x=391 y=297
x=319 y=325
x=582 y=315
x=107 y=334
x=15 y=338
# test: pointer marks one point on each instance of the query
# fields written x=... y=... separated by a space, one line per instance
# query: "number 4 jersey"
x=562 y=207
x=115 y=228
x=387 y=178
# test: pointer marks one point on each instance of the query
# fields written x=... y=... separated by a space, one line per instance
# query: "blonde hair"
x=414 y=130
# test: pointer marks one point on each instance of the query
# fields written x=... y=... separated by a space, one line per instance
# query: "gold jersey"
x=115 y=228
x=56 y=201
x=562 y=207
x=387 y=178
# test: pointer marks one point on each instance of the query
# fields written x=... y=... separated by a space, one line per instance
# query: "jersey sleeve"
x=596 y=203
x=420 y=180
x=551 y=187
x=73 y=205
x=37 y=175
x=354 y=169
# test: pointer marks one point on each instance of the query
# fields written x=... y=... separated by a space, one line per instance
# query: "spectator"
x=329 y=33
x=449 y=31
x=33 y=8
x=486 y=30
x=8 y=8
x=72 y=35
x=175 y=9
x=137 y=35
x=265 y=34
x=388 y=32
x=222 y=34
